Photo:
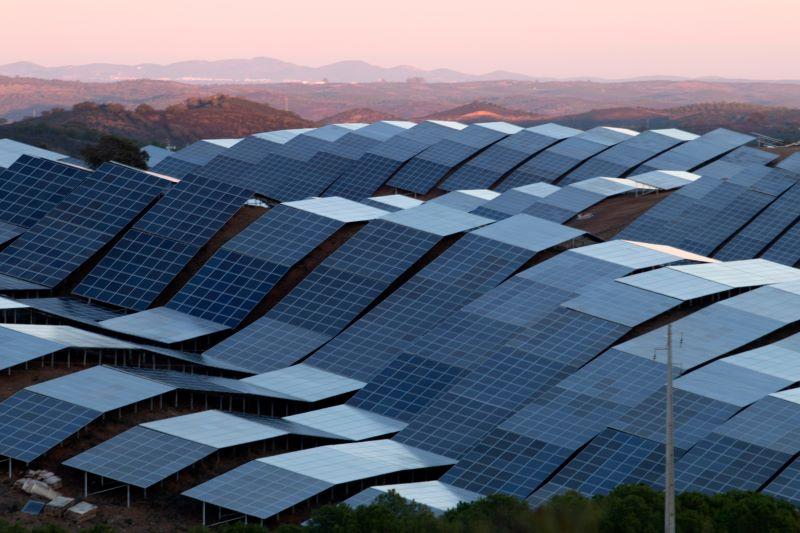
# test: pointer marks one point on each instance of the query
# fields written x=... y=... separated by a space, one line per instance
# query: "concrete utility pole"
x=669 y=456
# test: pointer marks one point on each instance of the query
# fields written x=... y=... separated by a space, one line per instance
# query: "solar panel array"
x=341 y=287
x=32 y=186
x=152 y=253
x=696 y=153
x=561 y=158
x=378 y=164
x=620 y=159
x=705 y=214
x=479 y=339
x=423 y=172
x=491 y=165
x=81 y=224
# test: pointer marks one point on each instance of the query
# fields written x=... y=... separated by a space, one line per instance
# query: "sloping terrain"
x=177 y=125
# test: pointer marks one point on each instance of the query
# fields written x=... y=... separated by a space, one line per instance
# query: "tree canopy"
x=627 y=509
x=113 y=148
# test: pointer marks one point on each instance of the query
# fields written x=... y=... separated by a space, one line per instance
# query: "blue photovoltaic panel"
x=312 y=177
x=703 y=215
x=316 y=174
x=611 y=459
x=250 y=150
x=693 y=154
x=140 y=457
x=328 y=299
x=767 y=226
x=523 y=451
x=791 y=163
x=258 y=489
x=136 y=270
x=155 y=154
x=552 y=163
x=467 y=339
x=787 y=484
x=530 y=363
x=200 y=152
x=488 y=167
x=177 y=168
x=623 y=157
x=378 y=164
x=745 y=452
x=471 y=267
x=229 y=170
x=88 y=218
x=515 y=201
x=33 y=186
x=193 y=210
x=786 y=249
x=71 y=308
x=248 y=266
x=428 y=168
x=31 y=424
x=162 y=243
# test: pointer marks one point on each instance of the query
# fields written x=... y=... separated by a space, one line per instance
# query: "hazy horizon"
x=569 y=39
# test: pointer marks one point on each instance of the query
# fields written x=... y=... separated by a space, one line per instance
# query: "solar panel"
x=218 y=429
x=379 y=163
x=791 y=163
x=174 y=167
x=523 y=451
x=248 y=266
x=33 y=186
x=620 y=303
x=200 y=152
x=466 y=200
x=702 y=216
x=695 y=153
x=305 y=382
x=611 y=459
x=392 y=202
x=87 y=219
x=767 y=226
x=475 y=264
x=746 y=451
x=429 y=167
x=11 y=151
x=623 y=157
x=348 y=422
x=71 y=308
x=135 y=272
x=341 y=287
x=100 y=388
x=31 y=424
x=666 y=179
x=492 y=164
x=554 y=162
x=163 y=324
x=140 y=457
x=257 y=489
x=18 y=348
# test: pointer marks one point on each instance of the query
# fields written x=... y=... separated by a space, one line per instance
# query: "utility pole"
x=669 y=456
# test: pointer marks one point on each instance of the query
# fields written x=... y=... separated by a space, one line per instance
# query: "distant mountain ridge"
x=254 y=70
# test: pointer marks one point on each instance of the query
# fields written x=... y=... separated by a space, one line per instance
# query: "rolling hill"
x=68 y=131
x=22 y=97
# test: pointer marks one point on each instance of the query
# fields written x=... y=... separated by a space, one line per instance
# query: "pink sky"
x=561 y=38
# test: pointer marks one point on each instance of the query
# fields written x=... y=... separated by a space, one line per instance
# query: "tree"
x=113 y=148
